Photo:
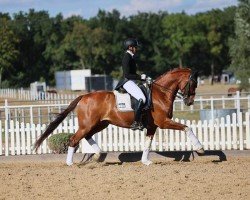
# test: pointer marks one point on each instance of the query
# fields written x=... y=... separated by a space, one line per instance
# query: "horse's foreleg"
x=169 y=124
x=144 y=159
x=145 y=154
x=194 y=140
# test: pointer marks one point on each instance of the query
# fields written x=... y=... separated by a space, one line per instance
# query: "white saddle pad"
x=123 y=101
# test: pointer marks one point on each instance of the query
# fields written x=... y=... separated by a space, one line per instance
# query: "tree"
x=148 y=29
x=33 y=30
x=215 y=47
x=118 y=29
x=8 y=47
x=91 y=46
x=181 y=35
x=240 y=45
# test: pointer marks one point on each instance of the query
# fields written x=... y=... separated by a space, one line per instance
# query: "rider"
x=128 y=82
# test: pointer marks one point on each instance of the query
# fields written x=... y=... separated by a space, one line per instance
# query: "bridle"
x=186 y=89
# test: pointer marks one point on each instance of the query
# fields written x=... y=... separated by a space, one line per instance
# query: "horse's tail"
x=59 y=118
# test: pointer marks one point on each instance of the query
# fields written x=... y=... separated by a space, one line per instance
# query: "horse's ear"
x=195 y=75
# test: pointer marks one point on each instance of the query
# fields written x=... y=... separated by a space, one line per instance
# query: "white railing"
x=44 y=97
x=223 y=102
x=225 y=134
x=235 y=102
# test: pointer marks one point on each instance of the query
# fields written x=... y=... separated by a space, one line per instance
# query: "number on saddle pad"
x=123 y=101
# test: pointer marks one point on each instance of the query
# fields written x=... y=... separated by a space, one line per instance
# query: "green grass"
x=187 y=115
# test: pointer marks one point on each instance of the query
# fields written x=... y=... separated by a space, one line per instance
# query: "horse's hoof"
x=200 y=151
x=147 y=162
x=69 y=163
x=96 y=157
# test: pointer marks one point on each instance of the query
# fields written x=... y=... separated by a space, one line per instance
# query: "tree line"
x=33 y=45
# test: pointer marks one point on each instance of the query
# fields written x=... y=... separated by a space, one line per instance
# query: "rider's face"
x=133 y=49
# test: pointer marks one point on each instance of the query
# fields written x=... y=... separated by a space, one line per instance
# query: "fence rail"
x=223 y=102
x=225 y=134
x=42 y=97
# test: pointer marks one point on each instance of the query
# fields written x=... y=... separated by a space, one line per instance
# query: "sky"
x=89 y=8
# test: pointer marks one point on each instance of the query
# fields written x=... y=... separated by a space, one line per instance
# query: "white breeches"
x=134 y=90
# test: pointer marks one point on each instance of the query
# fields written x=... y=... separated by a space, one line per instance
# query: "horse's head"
x=188 y=87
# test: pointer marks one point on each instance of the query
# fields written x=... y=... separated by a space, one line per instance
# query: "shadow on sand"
x=184 y=156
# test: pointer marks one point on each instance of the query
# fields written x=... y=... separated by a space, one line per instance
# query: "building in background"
x=72 y=80
x=99 y=82
x=38 y=90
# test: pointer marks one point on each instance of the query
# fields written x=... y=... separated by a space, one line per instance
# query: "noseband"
x=187 y=93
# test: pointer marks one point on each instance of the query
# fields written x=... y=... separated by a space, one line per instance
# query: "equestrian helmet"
x=130 y=42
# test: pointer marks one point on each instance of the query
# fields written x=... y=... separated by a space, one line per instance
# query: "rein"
x=181 y=95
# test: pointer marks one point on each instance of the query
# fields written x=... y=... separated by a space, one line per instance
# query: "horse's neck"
x=170 y=85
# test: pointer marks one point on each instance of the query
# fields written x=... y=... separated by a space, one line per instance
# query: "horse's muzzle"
x=189 y=102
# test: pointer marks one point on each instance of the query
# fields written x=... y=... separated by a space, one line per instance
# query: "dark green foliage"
x=240 y=45
x=59 y=143
x=38 y=45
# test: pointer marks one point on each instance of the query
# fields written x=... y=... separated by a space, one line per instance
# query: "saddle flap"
x=123 y=101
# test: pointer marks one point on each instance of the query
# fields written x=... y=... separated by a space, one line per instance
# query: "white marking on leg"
x=96 y=148
x=69 y=160
x=94 y=145
x=145 y=154
x=194 y=140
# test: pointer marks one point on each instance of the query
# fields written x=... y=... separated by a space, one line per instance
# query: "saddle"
x=126 y=103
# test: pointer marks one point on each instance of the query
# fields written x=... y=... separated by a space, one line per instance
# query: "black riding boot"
x=138 y=110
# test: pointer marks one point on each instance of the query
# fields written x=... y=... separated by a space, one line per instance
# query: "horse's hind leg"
x=85 y=133
x=96 y=156
x=74 y=141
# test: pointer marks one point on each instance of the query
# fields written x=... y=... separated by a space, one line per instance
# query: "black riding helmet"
x=131 y=42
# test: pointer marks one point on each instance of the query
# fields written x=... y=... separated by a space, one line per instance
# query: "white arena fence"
x=42 y=111
x=42 y=97
x=230 y=133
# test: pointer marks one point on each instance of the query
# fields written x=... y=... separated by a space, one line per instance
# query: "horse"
x=232 y=91
x=96 y=110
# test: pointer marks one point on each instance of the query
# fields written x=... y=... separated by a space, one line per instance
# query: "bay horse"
x=96 y=110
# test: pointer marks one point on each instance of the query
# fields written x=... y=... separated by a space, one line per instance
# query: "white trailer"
x=71 y=80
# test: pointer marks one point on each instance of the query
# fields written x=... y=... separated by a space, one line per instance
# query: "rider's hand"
x=149 y=80
x=143 y=77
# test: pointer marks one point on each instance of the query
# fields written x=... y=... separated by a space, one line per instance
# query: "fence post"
x=238 y=102
x=201 y=103
x=31 y=115
x=217 y=134
x=205 y=141
x=223 y=136
x=234 y=124
x=239 y=117
x=223 y=102
x=211 y=134
x=212 y=108
x=247 y=130
x=248 y=103
x=229 y=135
x=1 y=136
x=7 y=122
